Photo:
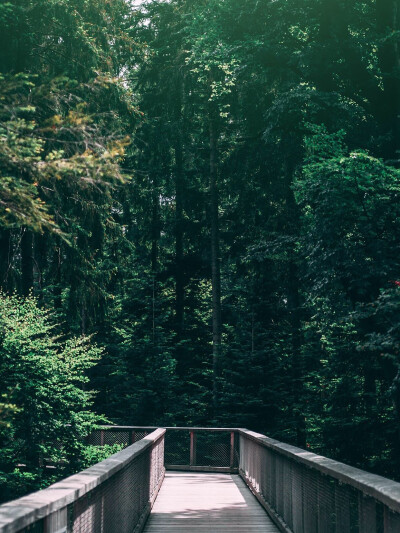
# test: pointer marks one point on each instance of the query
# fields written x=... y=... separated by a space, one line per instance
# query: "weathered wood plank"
x=207 y=502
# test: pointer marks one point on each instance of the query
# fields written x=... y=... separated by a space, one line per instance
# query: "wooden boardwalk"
x=207 y=503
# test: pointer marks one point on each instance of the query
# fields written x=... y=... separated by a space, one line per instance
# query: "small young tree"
x=43 y=379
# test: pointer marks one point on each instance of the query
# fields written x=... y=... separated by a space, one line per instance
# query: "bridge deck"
x=207 y=503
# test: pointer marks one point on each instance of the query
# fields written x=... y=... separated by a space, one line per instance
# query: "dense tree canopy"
x=210 y=191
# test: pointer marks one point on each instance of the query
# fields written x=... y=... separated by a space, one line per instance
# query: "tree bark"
x=26 y=262
x=155 y=226
x=5 y=238
x=155 y=237
x=40 y=258
x=57 y=277
x=293 y=302
x=179 y=193
x=215 y=261
x=388 y=22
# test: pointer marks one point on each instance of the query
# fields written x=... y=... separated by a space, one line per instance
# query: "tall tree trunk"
x=179 y=194
x=297 y=363
x=155 y=225
x=179 y=275
x=26 y=262
x=83 y=317
x=57 y=277
x=388 y=22
x=40 y=257
x=293 y=302
x=5 y=250
x=395 y=393
x=215 y=261
x=155 y=237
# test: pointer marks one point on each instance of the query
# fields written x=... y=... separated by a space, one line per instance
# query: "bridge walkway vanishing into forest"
x=202 y=478
x=201 y=503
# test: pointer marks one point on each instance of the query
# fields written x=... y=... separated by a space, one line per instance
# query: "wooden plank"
x=207 y=502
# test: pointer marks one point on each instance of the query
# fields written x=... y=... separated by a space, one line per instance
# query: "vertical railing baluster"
x=193 y=446
x=232 y=457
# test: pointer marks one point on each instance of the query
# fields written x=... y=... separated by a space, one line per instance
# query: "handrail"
x=303 y=492
x=308 y=493
x=178 y=428
x=378 y=487
x=21 y=513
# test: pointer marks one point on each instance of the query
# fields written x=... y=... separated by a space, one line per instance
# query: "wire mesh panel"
x=297 y=499
x=391 y=522
x=115 y=435
x=326 y=504
x=279 y=462
x=310 y=511
x=213 y=449
x=288 y=468
x=117 y=505
x=177 y=447
x=306 y=493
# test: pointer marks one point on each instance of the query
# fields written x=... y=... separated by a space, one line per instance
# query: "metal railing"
x=308 y=493
x=301 y=491
x=186 y=448
x=114 y=496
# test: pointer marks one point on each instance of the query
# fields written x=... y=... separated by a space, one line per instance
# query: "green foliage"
x=96 y=454
x=107 y=114
x=351 y=231
x=46 y=379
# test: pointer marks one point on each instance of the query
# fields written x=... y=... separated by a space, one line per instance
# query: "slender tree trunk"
x=153 y=311
x=40 y=261
x=5 y=249
x=215 y=262
x=155 y=226
x=155 y=237
x=180 y=351
x=324 y=79
x=179 y=276
x=293 y=297
x=26 y=262
x=395 y=393
x=297 y=365
x=57 y=277
x=83 y=318
x=388 y=22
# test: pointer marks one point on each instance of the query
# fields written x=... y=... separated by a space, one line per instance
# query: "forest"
x=199 y=225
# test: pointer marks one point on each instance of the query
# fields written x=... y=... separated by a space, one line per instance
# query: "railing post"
x=232 y=457
x=193 y=442
x=102 y=437
x=132 y=436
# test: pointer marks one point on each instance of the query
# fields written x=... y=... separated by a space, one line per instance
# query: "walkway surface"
x=207 y=503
